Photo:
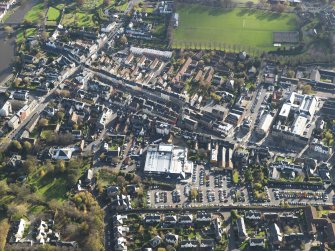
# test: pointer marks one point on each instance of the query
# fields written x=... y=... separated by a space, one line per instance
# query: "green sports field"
x=205 y=27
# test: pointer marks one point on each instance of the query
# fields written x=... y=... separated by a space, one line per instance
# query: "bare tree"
x=249 y=4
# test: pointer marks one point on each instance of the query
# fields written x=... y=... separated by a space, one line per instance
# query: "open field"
x=35 y=14
x=22 y=34
x=203 y=27
x=78 y=19
x=53 y=14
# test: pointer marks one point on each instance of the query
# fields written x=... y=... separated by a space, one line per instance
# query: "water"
x=7 y=46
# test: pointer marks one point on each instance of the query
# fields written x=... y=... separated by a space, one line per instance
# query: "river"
x=7 y=46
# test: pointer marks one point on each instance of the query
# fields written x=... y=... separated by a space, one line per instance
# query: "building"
x=150 y=52
x=168 y=161
x=264 y=124
x=241 y=229
x=276 y=234
x=295 y=118
x=163 y=128
x=6 y=109
x=257 y=242
x=61 y=153
x=20 y=95
x=175 y=20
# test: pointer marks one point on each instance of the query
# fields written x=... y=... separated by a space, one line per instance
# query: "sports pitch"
x=205 y=27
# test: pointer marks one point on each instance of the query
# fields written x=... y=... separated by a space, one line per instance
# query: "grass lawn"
x=235 y=176
x=35 y=13
x=53 y=14
x=78 y=19
x=30 y=32
x=226 y=29
x=52 y=188
x=46 y=133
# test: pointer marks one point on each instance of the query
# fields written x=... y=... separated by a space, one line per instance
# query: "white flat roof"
x=285 y=110
x=164 y=158
x=299 y=125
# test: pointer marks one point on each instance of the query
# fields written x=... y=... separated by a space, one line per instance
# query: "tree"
x=249 y=4
x=49 y=167
x=290 y=74
x=17 y=82
x=121 y=181
x=3 y=187
x=43 y=122
x=137 y=179
x=194 y=193
x=45 y=35
x=16 y=146
x=72 y=176
x=27 y=146
x=50 y=137
x=239 y=82
x=123 y=40
x=80 y=3
x=8 y=29
x=60 y=115
x=279 y=7
x=60 y=167
x=17 y=211
x=29 y=165
x=4 y=228
x=226 y=3
x=307 y=89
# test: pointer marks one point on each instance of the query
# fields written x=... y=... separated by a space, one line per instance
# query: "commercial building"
x=295 y=118
x=168 y=161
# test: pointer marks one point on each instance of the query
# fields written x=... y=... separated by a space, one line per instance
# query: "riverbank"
x=7 y=45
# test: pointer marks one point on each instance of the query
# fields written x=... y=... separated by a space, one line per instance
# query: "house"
x=14 y=122
x=120 y=244
x=45 y=233
x=171 y=238
x=120 y=231
x=132 y=189
x=207 y=245
x=118 y=219
x=112 y=191
x=217 y=223
x=152 y=218
x=28 y=59
x=253 y=215
x=310 y=214
x=170 y=219
x=241 y=229
x=18 y=230
x=189 y=244
x=15 y=161
x=154 y=242
x=186 y=219
x=121 y=202
x=204 y=217
x=20 y=95
x=6 y=109
x=61 y=153
x=257 y=242
x=276 y=235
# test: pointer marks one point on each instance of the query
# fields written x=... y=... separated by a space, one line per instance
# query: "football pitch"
x=240 y=29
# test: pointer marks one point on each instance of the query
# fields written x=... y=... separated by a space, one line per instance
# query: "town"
x=124 y=130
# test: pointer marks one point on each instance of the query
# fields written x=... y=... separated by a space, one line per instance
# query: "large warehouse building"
x=168 y=161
